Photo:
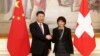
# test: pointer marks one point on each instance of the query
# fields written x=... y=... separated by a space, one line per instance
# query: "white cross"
x=84 y=25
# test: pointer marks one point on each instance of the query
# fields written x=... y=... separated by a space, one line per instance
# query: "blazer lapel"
x=59 y=33
x=63 y=33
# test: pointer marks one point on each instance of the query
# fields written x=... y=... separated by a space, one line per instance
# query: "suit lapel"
x=44 y=28
x=38 y=27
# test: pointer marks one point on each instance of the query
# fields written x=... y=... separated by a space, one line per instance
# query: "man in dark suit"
x=41 y=39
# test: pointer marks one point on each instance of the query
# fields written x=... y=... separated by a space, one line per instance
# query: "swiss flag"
x=84 y=39
x=18 y=39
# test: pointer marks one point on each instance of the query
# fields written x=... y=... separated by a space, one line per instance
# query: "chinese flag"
x=18 y=39
x=84 y=39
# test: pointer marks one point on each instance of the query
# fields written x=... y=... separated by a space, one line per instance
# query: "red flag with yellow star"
x=18 y=39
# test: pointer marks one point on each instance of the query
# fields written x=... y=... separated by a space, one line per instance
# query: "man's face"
x=40 y=18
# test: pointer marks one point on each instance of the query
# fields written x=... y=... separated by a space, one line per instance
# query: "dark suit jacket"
x=67 y=39
x=39 y=41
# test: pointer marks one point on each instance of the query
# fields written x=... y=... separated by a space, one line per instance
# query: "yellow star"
x=18 y=18
x=16 y=4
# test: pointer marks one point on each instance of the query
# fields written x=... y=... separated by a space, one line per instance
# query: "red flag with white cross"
x=84 y=38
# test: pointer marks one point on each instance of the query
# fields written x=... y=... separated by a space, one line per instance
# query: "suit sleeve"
x=49 y=41
x=70 y=42
x=36 y=34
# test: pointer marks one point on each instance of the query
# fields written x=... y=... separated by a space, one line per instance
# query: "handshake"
x=48 y=37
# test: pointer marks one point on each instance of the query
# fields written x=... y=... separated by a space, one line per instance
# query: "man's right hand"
x=48 y=37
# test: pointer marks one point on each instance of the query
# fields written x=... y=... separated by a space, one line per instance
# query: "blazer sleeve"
x=35 y=34
x=71 y=50
x=53 y=36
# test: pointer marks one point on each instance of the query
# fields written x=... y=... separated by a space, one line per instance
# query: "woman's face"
x=61 y=23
